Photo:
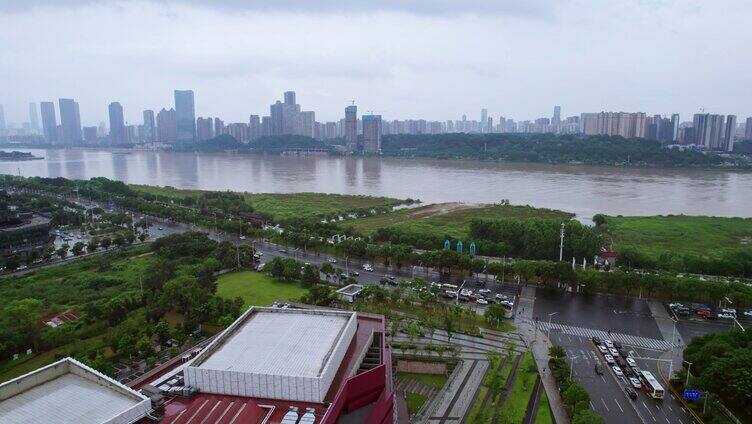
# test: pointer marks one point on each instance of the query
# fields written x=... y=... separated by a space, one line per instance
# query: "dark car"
x=622 y=352
x=599 y=369
x=631 y=393
x=354 y=273
x=596 y=340
x=383 y=281
x=343 y=276
x=617 y=345
x=480 y=283
x=282 y=250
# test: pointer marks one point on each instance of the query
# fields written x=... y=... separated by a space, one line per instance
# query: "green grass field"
x=703 y=235
x=414 y=402
x=450 y=219
x=283 y=206
x=432 y=380
x=257 y=289
x=543 y=414
x=513 y=409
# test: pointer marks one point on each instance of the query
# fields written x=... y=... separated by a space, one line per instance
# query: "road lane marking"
x=669 y=408
x=604 y=405
x=617 y=404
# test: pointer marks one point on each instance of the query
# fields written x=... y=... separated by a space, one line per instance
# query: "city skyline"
x=519 y=77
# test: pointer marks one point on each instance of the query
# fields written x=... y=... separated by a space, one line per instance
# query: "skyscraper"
x=748 y=129
x=117 y=124
x=166 y=126
x=728 y=136
x=351 y=128
x=185 y=116
x=33 y=117
x=289 y=97
x=483 y=120
x=49 y=121
x=276 y=120
x=305 y=123
x=150 y=127
x=90 y=134
x=556 y=119
x=371 y=133
x=70 y=121
x=675 y=127
x=204 y=129
x=219 y=126
x=254 y=127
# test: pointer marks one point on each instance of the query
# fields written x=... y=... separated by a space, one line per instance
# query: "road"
x=576 y=318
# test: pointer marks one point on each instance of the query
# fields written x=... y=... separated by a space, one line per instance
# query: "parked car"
x=635 y=382
x=480 y=283
x=617 y=344
x=617 y=370
x=731 y=311
x=609 y=359
x=500 y=296
x=726 y=316
x=242 y=237
x=596 y=340
x=631 y=362
x=449 y=294
x=631 y=393
x=599 y=369
x=613 y=352
x=481 y=301
x=602 y=348
x=331 y=260
x=282 y=250
x=368 y=267
x=354 y=273
x=707 y=314
x=484 y=292
x=343 y=276
x=622 y=352
x=609 y=344
x=748 y=313
x=683 y=311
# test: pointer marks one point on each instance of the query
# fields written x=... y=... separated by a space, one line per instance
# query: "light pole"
x=571 y=366
x=686 y=382
x=561 y=243
x=457 y=295
x=549 y=322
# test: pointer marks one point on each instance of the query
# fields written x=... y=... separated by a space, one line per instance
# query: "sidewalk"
x=539 y=344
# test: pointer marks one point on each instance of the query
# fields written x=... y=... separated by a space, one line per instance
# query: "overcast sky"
x=432 y=59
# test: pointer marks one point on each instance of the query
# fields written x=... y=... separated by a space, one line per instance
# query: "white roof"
x=67 y=392
x=285 y=342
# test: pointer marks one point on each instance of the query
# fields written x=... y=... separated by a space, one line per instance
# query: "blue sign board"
x=692 y=394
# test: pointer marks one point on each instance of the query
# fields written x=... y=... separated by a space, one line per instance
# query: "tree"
x=130 y=238
x=105 y=242
x=599 y=219
x=32 y=257
x=162 y=331
x=310 y=275
x=119 y=240
x=587 y=416
x=78 y=248
x=93 y=244
x=276 y=268
x=12 y=263
x=575 y=394
x=142 y=237
x=327 y=268
x=62 y=251
x=494 y=314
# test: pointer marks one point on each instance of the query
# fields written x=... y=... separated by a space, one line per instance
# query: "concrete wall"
x=421 y=367
x=253 y=384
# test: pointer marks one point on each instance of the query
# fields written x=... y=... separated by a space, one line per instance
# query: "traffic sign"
x=691 y=394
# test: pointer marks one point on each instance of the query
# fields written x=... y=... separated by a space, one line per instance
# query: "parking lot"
x=692 y=320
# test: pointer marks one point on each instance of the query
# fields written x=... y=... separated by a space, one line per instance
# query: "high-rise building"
x=204 y=129
x=90 y=134
x=49 y=121
x=150 y=127
x=266 y=126
x=371 y=133
x=117 y=124
x=254 y=127
x=289 y=97
x=351 y=128
x=70 y=120
x=556 y=119
x=748 y=129
x=33 y=117
x=484 y=120
x=166 y=126
x=219 y=126
x=675 y=127
x=729 y=133
x=708 y=130
x=185 y=116
x=305 y=123
x=627 y=125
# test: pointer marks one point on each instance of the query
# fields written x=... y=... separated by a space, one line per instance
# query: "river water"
x=584 y=190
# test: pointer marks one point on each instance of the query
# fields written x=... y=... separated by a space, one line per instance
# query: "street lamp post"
x=686 y=382
x=571 y=366
x=549 y=322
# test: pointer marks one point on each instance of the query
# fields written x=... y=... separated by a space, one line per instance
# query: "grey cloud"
x=522 y=8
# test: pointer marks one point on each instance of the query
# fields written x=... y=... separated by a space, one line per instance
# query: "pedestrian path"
x=627 y=339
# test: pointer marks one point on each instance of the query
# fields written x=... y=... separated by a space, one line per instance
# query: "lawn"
x=283 y=206
x=257 y=289
x=451 y=219
x=543 y=414
x=432 y=380
x=414 y=402
x=680 y=234
x=514 y=407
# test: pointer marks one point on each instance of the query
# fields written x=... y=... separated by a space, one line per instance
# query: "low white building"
x=68 y=391
x=350 y=292
x=275 y=353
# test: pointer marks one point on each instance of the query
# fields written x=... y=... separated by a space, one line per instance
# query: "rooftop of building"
x=68 y=392
x=32 y=222
x=351 y=289
x=275 y=341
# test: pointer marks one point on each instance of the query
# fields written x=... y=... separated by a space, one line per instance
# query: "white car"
x=631 y=362
x=602 y=349
x=368 y=267
x=613 y=352
x=506 y=303
x=242 y=237
x=726 y=316
x=748 y=313
x=609 y=344
x=500 y=296
x=609 y=359
x=731 y=311
x=332 y=261
x=617 y=370
x=675 y=305
x=481 y=301
x=484 y=291
x=635 y=383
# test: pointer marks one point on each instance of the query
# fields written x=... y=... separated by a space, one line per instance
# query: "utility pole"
x=561 y=244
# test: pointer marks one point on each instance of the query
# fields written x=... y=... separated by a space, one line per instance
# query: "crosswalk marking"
x=627 y=339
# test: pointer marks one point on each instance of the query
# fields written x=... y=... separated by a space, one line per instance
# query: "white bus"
x=451 y=287
x=651 y=385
